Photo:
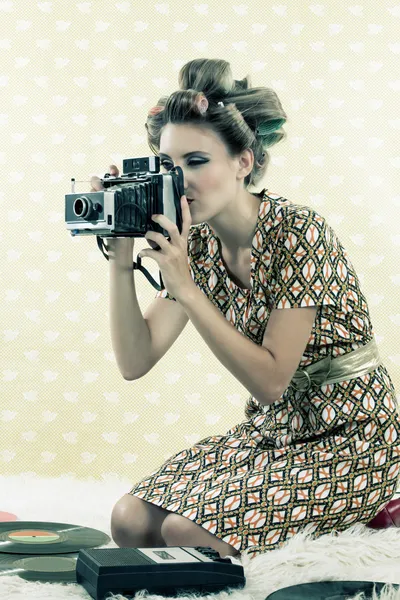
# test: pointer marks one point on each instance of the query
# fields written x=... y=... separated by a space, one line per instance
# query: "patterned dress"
x=326 y=458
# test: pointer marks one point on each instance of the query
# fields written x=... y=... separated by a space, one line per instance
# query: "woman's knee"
x=126 y=516
x=135 y=522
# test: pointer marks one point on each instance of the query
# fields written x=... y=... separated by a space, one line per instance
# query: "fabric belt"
x=333 y=370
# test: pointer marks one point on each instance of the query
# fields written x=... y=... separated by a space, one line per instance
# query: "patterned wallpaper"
x=76 y=81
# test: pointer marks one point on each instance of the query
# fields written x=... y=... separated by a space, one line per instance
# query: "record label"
x=40 y=537
x=32 y=536
x=40 y=568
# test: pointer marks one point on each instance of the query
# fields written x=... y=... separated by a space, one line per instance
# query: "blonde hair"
x=250 y=118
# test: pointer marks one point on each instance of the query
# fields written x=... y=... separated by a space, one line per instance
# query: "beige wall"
x=76 y=82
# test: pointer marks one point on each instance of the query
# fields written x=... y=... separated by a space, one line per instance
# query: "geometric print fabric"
x=254 y=492
x=325 y=458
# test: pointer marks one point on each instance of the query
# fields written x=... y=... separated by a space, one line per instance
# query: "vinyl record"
x=6 y=516
x=60 y=568
x=40 y=537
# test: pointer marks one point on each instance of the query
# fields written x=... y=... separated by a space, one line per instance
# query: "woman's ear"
x=246 y=162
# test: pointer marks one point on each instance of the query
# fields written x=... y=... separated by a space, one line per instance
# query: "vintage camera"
x=125 y=207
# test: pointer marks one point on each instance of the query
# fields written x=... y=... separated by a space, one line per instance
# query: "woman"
x=321 y=447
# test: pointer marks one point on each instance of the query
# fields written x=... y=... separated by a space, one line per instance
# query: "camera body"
x=125 y=207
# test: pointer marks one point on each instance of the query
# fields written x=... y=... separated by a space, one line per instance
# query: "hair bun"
x=211 y=76
x=244 y=117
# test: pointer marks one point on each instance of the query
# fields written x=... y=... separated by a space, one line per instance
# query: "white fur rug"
x=357 y=554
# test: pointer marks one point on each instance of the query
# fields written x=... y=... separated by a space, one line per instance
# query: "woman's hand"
x=118 y=247
x=172 y=258
x=95 y=181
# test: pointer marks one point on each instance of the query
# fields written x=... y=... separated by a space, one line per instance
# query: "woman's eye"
x=166 y=163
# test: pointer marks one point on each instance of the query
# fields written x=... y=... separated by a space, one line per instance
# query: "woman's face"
x=209 y=172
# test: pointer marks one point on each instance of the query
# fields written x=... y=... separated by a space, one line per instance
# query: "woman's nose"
x=186 y=185
x=186 y=182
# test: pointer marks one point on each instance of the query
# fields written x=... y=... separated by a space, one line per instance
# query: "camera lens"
x=81 y=206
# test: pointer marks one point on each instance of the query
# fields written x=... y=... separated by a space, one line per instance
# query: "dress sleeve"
x=309 y=267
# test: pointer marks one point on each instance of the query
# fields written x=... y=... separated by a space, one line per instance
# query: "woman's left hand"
x=172 y=258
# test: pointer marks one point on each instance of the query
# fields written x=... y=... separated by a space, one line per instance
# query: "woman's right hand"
x=115 y=244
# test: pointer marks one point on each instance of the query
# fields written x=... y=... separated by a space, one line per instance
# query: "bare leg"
x=180 y=531
x=136 y=523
